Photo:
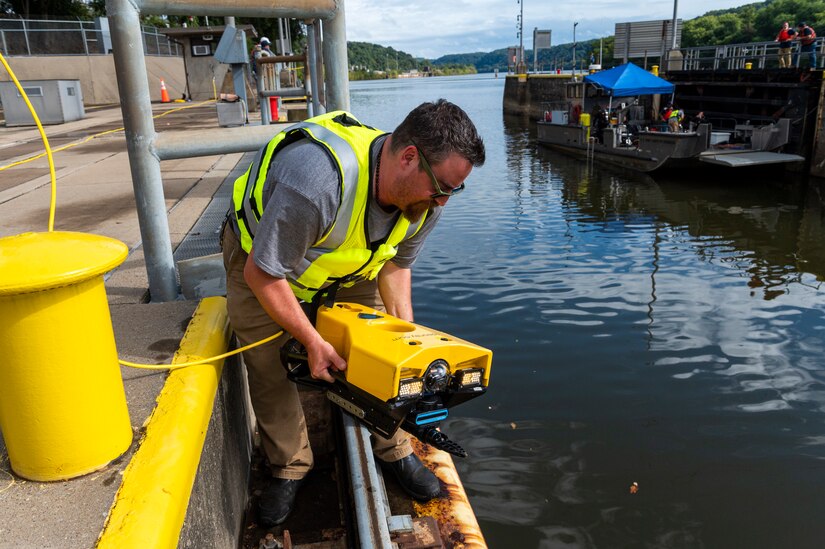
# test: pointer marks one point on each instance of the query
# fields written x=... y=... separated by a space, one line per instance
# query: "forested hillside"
x=752 y=23
x=368 y=61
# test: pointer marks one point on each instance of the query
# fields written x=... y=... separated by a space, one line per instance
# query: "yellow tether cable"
x=48 y=153
x=201 y=361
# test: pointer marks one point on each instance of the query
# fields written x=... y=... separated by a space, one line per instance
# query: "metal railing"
x=73 y=37
x=145 y=146
x=756 y=55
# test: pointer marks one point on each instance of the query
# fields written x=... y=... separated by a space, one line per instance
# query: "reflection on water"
x=665 y=330
x=550 y=492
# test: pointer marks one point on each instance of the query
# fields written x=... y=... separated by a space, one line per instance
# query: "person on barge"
x=334 y=201
x=674 y=119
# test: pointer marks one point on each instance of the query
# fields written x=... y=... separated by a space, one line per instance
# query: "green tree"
x=33 y=9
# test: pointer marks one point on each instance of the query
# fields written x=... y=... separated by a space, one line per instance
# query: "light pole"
x=574 y=47
x=673 y=24
x=519 y=69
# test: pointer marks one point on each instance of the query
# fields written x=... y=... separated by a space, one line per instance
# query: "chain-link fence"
x=73 y=37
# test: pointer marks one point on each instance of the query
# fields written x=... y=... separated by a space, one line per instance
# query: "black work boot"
x=276 y=501
x=414 y=477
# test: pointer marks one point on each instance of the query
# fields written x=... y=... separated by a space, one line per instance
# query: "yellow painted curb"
x=150 y=506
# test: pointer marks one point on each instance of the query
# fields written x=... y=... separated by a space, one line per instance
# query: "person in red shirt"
x=785 y=39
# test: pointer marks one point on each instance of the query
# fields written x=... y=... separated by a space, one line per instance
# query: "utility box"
x=559 y=117
x=54 y=101
x=231 y=114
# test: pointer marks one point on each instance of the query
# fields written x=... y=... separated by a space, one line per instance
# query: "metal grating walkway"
x=204 y=236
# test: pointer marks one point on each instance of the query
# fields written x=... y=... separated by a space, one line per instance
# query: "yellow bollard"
x=63 y=409
x=748 y=66
x=654 y=69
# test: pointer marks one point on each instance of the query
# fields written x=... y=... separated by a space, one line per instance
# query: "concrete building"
x=205 y=75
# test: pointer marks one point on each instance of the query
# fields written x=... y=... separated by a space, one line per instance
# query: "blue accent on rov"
x=433 y=416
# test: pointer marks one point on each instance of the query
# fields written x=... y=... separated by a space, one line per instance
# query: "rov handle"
x=296 y=363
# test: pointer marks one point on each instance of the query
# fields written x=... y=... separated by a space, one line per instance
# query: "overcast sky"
x=431 y=28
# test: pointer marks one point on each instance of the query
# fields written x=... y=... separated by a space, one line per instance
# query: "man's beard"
x=413 y=212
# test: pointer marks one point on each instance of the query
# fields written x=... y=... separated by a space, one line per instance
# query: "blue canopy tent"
x=628 y=79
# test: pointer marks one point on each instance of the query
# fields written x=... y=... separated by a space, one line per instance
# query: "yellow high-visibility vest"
x=343 y=253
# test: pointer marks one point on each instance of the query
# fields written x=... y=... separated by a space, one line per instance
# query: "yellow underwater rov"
x=399 y=374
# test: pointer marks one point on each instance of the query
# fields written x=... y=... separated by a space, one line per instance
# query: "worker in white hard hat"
x=265 y=51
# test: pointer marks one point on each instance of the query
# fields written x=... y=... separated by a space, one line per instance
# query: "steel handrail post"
x=136 y=105
x=83 y=36
x=319 y=67
x=335 y=61
x=263 y=102
x=312 y=68
x=26 y=36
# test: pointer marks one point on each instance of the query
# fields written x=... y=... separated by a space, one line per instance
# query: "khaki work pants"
x=275 y=400
x=785 y=58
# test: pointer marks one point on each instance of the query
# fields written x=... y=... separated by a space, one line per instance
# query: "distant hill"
x=369 y=61
x=482 y=61
x=366 y=56
x=556 y=56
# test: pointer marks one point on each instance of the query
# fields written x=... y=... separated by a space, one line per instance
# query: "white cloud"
x=429 y=28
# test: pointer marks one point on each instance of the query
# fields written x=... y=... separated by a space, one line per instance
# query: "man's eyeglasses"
x=438 y=192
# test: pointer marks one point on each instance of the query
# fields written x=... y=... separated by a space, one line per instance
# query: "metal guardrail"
x=73 y=37
x=760 y=55
x=130 y=67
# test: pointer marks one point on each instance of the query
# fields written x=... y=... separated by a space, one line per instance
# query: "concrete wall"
x=528 y=97
x=215 y=515
x=97 y=74
x=202 y=71
x=818 y=146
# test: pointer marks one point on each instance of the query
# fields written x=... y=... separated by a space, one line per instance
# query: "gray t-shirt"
x=302 y=194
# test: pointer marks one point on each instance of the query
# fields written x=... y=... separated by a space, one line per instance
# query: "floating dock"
x=741 y=96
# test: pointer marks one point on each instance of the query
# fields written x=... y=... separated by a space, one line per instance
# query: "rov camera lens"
x=437 y=377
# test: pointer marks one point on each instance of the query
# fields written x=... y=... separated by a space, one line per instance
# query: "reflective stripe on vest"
x=252 y=207
x=343 y=253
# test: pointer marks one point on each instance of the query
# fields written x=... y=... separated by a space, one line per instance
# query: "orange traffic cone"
x=164 y=95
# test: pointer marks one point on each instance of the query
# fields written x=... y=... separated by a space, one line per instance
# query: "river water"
x=662 y=331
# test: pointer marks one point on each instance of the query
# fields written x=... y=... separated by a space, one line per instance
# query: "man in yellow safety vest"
x=332 y=201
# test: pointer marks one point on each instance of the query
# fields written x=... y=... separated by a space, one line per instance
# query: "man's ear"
x=409 y=155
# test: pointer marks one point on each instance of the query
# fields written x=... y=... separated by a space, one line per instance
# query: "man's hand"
x=323 y=359
x=280 y=303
